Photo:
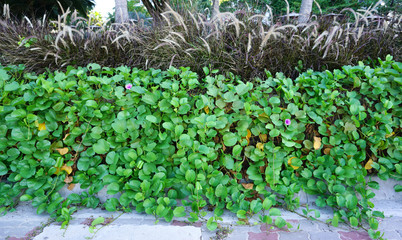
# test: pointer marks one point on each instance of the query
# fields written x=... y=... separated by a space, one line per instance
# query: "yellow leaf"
x=248 y=136
x=264 y=115
x=290 y=163
x=206 y=109
x=248 y=185
x=65 y=137
x=62 y=151
x=369 y=164
x=41 y=126
x=317 y=143
x=260 y=146
x=66 y=168
x=263 y=138
x=389 y=135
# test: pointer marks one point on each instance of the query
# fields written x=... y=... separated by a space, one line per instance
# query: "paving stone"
x=392 y=235
x=324 y=235
x=263 y=236
x=354 y=235
x=139 y=232
x=293 y=236
x=306 y=225
x=393 y=223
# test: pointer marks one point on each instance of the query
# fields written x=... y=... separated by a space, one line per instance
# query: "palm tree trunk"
x=215 y=8
x=121 y=11
x=305 y=10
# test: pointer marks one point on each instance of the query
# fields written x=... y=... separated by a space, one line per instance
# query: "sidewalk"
x=25 y=224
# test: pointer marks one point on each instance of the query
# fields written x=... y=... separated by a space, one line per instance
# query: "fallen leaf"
x=389 y=135
x=317 y=143
x=71 y=186
x=264 y=115
x=206 y=109
x=369 y=164
x=260 y=146
x=248 y=136
x=66 y=168
x=327 y=151
x=68 y=179
x=262 y=169
x=290 y=163
x=263 y=138
x=65 y=137
x=248 y=185
x=41 y=126
x=62 y=151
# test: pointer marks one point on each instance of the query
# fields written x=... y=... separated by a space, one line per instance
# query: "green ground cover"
x=175 y=144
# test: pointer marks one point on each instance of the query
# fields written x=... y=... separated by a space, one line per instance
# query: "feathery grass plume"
x=238 y=42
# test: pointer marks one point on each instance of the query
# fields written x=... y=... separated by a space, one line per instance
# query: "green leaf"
x=280 y=222
x=119 y=125
x=179 y=212
x=221 y=191
x=353 y=221
x=274 y=212
x=350 y=149
x=25 y=198
x=241 y=214
x=274 y=132
x=211 y=224
x=150 y=98
x=228 y=162
x=241 y=89
x=97 y=221
x=101 y=147
x=113 y=188
x=190 y=175
x=229 y=139
x=274 y=101
x=267 y=204
x=254 y=173
x=335 y=221
x=397 y=188
x=152 y=118
x=11 y=87
x=3 y=169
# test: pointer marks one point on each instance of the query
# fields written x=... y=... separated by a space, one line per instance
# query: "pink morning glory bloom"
x=287 y=122
x=129 y=86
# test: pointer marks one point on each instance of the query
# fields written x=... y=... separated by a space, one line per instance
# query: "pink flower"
x=129 y=86
x=287 y=122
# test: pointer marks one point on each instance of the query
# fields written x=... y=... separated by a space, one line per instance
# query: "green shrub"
x=159 y=137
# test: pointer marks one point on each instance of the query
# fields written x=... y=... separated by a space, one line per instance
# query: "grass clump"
x=238 y=42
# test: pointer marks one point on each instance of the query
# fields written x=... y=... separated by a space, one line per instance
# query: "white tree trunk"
x=215 y=8
x=121 y=11
x=305 y=10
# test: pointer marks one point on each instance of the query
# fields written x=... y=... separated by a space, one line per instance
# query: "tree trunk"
x=305 y=10
x=121 y=11
x=155 y=8
x=215 y=8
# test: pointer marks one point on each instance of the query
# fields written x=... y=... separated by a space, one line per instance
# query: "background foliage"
x=243 y=44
